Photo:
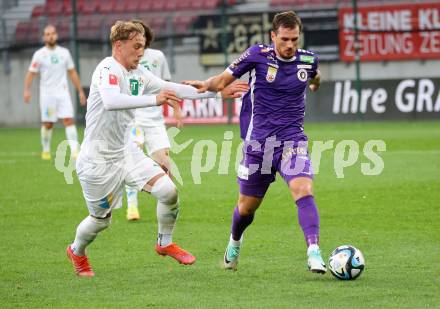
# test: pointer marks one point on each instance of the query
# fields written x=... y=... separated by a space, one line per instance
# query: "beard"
x=52 y=43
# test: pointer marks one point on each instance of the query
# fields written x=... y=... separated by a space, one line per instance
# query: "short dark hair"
x=149 y=34
x=287 y=19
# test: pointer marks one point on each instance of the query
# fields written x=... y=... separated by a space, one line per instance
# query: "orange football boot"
x=177 y=253
x=80 y=263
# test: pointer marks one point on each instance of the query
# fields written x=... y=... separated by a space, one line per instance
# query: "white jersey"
x=107 y=131
x=52 y=65
x=153 y=60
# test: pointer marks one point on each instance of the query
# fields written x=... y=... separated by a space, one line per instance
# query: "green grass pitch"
x=394 y=218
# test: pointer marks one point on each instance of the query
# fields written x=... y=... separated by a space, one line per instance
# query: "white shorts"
x=154 y=138
x=103 y=182
x=56 y=106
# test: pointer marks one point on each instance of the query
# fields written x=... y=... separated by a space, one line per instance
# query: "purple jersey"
x=275 y=102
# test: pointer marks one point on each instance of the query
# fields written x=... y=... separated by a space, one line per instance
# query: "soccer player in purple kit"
x=271 y=125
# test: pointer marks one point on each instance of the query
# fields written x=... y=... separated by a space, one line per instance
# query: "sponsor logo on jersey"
x=302 y=75
x=271 y=73
x=304 y=66
x=112 y=79
x=243 y=172
x=35 y=65
x=306 y=58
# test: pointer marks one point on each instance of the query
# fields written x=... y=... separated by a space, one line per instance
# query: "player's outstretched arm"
x=187 y=92
x=215 y=83
x=77 y=83
x=27 y=86
x=113 y=99
x=315 y=82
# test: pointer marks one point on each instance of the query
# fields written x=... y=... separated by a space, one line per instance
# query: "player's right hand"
x=167 y=97
x=26 y=96
x=201 y=86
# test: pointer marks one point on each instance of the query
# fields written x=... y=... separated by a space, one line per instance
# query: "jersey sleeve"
x=315 y=65
x=165 y=71
x=245 y=62
x=69 y=61
x=35 y=64
x=153 y=84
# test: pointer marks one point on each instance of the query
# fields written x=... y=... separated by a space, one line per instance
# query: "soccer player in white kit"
x=149 y=129
x=109 y=159
x=52 y=62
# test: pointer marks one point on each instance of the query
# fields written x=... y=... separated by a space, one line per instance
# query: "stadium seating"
x=312 y=3
x=107 y=7
x=21 y=31
x=37 y=11
x=95 y=15
x=182 y=22
x=63 y=29
x=54 y=8
x=132 y=6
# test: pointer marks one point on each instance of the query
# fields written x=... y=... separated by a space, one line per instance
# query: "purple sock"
x=239 y=224
x=308 y=218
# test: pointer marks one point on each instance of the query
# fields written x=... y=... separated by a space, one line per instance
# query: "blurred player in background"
x=109 y=159
x=271 y=123
x=149 y=129
x=52 y=62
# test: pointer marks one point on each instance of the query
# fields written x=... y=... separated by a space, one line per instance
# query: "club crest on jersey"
x=271 y=73
x=302 y=75
x=54 y=59
x=134 y=86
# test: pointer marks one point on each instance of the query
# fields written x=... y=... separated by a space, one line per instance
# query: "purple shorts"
x=262 y=160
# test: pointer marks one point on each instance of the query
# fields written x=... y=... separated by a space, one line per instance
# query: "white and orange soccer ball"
x=346 y=262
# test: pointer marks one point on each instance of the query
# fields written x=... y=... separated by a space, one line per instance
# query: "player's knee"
x=165 y=191
x=48 y=125
x=301 y=190
x=103 y=223
x=245 y=211
x=68 y=122
x=248 y=205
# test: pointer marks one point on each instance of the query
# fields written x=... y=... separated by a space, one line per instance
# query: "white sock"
x=311 y=248
x=72 y=137
x=46 y=136
x=167 y=208
x=86 y=232
x=166 y=219
x=132 y=200
x=235 y=243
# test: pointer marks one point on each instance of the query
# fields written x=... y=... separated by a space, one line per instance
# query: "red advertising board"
x=204 y=111
x=391 y=32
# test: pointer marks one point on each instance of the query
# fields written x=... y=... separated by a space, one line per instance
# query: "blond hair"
x=124 y=30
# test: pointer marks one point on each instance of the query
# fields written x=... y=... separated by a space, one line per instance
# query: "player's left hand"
x=235 y=90
x=315 y=82
x=82 y=99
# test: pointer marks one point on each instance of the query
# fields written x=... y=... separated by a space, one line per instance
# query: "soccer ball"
x=346 y=262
